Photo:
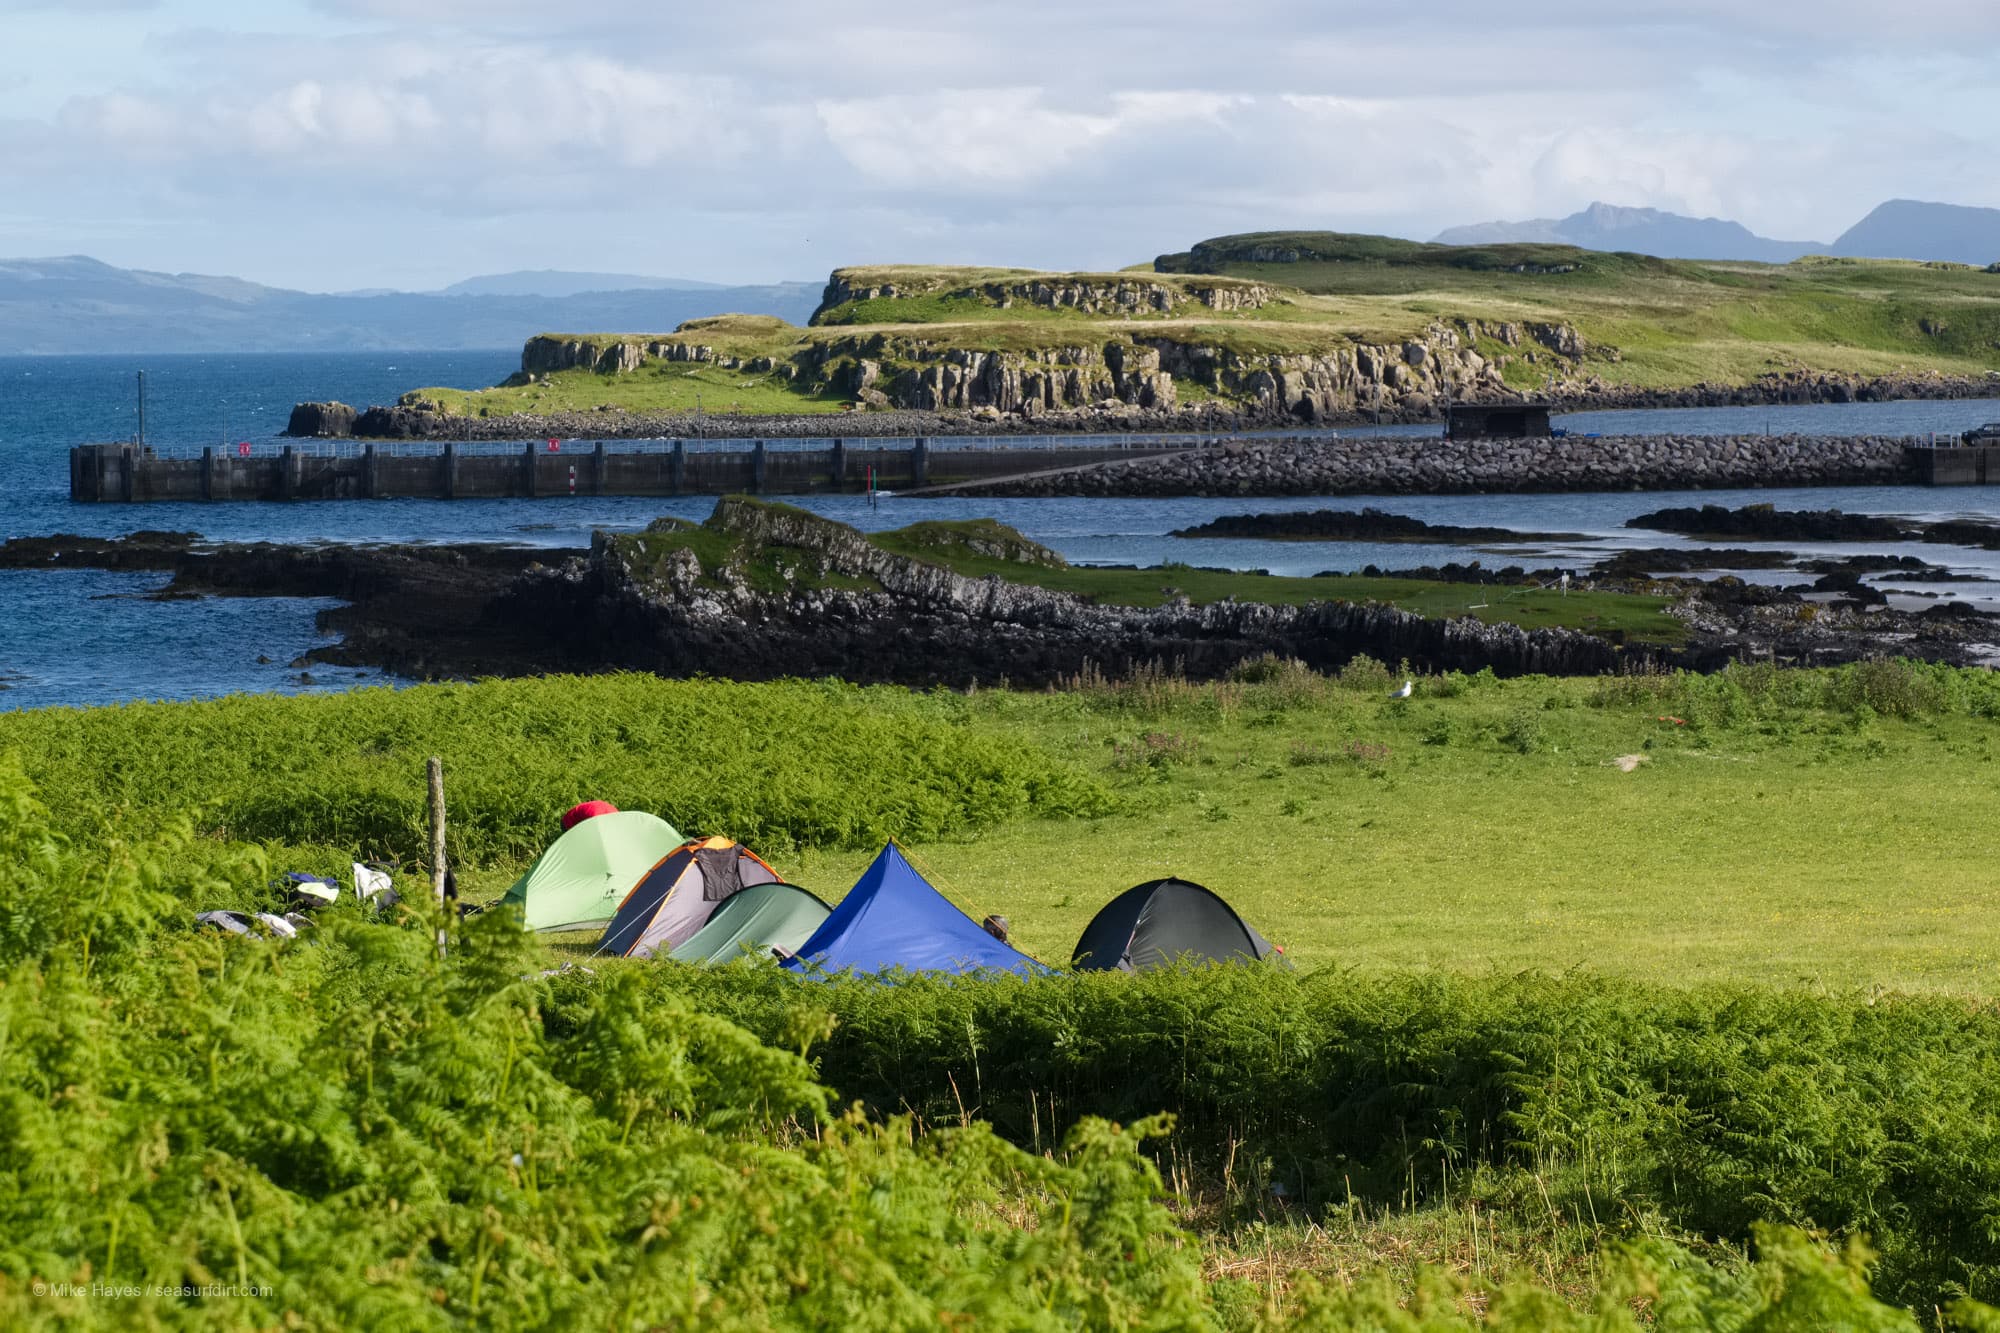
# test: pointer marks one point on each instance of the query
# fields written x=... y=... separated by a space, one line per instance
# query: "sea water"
x=84 y=637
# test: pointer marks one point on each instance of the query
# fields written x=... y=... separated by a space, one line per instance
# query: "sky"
x=332 y=145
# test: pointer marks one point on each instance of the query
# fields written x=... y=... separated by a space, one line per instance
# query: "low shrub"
x=1718 y=1109
x=1524 y=732
x=779 y=766
x=1308 y=754
x=1364 y=673
x=1156 y=749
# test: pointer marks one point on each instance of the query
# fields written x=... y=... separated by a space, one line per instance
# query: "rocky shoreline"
x=422 y=612
x=809 y=597
x=417 y=422
x=1400 y=465
x=1281 y=405
x=1766 y=523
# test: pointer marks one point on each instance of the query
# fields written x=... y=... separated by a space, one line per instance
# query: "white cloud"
x=775 y=137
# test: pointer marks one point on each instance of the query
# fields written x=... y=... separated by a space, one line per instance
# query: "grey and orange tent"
x=1165 y=921
x=675 y=898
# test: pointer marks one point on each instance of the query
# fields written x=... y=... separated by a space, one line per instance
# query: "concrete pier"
x=1955 y=464
x=382 y=470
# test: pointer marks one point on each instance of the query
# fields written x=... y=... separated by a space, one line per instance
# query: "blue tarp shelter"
x=892 y=918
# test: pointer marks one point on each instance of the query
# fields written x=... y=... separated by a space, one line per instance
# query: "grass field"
x=1490 y=830
x=1566 y=1039
x=1480 y=825
x=660 y=387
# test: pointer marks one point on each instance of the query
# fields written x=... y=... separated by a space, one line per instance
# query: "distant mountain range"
x=556 y=282
x=79 y=305
x=1899 y=229
x=1907 y=229
x=1646 y=231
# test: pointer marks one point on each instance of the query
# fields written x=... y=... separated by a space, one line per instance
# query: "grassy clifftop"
x=1655 y=323
x=1581 y=321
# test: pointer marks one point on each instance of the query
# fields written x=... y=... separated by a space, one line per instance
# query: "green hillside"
x=1669 y=322
x=1541 y=315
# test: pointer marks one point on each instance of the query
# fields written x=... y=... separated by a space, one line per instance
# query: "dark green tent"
x=1163 y=921
x=755 y=919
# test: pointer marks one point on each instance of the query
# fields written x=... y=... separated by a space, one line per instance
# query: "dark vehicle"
x=1986 y=434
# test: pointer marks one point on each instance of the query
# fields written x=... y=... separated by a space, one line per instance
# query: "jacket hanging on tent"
x=761 y=917
x=893 y=918
x=676 y=897
x=583 y=876
x=1164 y=920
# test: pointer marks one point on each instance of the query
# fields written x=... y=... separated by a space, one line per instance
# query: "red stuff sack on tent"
x=576 y=814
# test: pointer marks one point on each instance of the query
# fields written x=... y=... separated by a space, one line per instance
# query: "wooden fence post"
x=434 y=768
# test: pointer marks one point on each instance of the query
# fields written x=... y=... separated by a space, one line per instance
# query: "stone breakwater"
x=1411 y=466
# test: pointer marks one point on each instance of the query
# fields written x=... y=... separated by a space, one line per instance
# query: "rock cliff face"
x=321 y=419
x=919 y=624
x=930 y=372
x=547 y=353
x=1031 y=384
x=1094 y=294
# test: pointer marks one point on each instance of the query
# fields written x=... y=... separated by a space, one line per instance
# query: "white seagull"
x=1409 y=688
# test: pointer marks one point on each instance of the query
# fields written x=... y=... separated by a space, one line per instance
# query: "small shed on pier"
x=1510 y=421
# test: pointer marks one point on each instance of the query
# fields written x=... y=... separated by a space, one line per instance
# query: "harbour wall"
x=1107 y=466
x=129 y=473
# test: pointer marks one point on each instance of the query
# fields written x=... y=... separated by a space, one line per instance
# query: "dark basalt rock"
x=1453 y=572
x=1346 y=525
x=1964 y=532
x=1850 y=586
x=1905 y=567
x=1650 y=562
x=815 y=598
x=1763 y=522
x=929 y=626
x=63 y=550
x=312 y=420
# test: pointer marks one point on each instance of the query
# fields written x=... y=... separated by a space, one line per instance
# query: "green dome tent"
x=1164 y=920
x=757 y=918
x=583 y=876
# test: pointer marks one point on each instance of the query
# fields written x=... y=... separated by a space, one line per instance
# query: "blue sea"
x=82 y=637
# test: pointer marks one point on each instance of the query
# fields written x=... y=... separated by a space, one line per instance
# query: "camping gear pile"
x=305 y=894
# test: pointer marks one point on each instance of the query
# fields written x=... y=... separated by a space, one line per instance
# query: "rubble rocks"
x=1374 y=465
